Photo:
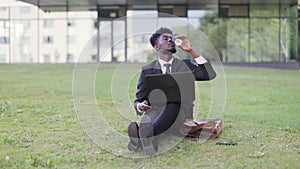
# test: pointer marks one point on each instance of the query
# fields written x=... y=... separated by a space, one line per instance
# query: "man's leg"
x=133 y=133
x=155 y=124
x=166 y=119
x=146 y=134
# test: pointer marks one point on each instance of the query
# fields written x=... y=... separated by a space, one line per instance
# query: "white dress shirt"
x=200 y=60
x=164 y=68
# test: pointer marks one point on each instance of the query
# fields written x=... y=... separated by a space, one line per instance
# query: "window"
x=95 y=41
x=94 y=57
x=3 y=9
x=25 y=9
x=4 y=40
x=4 y=24
x=25 y=40
x=71 y=23
x=70 y=58
x=71 y=39
x=48 y=23
x=25 y=23
x=2 y=57
x=46 y=58
x=48 y=39
x=24 y=58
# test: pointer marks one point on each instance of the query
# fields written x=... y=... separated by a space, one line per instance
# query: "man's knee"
x=146 y=119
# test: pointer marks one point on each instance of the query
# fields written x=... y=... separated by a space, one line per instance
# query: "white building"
x=30 y=35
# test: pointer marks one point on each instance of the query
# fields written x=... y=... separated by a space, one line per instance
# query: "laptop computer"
x=170 y=88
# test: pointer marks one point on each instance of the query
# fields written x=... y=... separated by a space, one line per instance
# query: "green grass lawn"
x=40 y=128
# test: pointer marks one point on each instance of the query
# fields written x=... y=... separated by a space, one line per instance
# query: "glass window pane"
x=3 y=11
x=70 y=58
x=71 y=39
x=288 y=11
x=119 y=41
x=174 y=23
x=71 y=23
x=4 y=25
x=26 y=23
x=48 y=39
x=24 y=41
x=46 y=58
x=237 y=40
x=4 y=52
x=3 y=58
x=264 y=40
x=264 y=10
x=20 y=10
x=105 y=41
x=138 y=45
x=214 y=30
x=194 y=16
x=288 y=39
x=25 y=9
x=53 y=41
x=48 y=23
x=77 y=42
x=4 y=41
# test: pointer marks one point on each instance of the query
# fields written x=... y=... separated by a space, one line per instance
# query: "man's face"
x=165 y=43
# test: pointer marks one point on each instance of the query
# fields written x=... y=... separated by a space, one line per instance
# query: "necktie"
x=167 y=65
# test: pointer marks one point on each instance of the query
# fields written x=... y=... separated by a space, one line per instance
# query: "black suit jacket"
x=201 y=72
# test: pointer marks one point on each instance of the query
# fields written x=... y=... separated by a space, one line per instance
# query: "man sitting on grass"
x=156 y=119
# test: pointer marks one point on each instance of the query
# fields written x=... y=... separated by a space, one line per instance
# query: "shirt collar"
x=162 y=62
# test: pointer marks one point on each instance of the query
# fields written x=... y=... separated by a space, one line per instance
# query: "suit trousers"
x=164 y=119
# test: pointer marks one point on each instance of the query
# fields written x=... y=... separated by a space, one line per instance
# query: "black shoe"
x=133 y=133
x=146 y=136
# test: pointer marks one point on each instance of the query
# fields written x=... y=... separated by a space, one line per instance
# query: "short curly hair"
x=157 y=33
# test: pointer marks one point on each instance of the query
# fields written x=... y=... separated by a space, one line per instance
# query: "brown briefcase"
x=202 y=128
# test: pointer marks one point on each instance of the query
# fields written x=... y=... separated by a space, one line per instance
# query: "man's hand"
x=144 y=106
x=187 y=46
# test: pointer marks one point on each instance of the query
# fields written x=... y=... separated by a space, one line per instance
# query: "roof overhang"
x=92 y=5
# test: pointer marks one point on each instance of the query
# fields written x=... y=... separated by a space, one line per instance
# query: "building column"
x=299 y=31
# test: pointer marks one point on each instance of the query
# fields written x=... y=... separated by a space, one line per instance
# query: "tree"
x=216 y=31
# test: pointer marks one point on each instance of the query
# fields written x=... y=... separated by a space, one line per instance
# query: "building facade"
x=60 y=33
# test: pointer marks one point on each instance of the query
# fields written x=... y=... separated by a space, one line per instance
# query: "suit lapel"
x=156 y=68
x=175 y=65
x=179 y=66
